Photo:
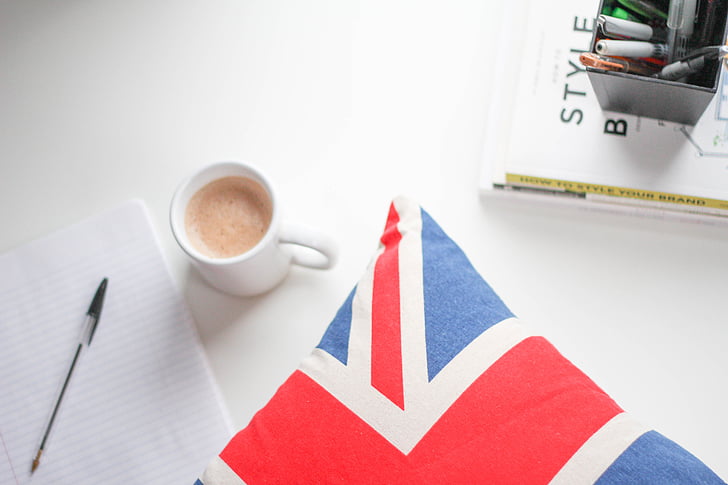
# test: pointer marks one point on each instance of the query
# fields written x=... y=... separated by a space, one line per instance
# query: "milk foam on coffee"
x=228 y=216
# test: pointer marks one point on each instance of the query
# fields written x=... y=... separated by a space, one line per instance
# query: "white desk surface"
x=345 y=105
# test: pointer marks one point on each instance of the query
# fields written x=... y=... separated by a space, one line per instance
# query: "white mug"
x=266 y=264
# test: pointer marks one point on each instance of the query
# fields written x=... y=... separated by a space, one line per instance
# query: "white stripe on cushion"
x=219 y=473
x=600 y=451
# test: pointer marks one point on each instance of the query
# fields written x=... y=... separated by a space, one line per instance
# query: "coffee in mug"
x=227 y=219
x=228 y=216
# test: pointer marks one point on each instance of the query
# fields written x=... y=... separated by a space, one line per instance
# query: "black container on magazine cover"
x=689 y=32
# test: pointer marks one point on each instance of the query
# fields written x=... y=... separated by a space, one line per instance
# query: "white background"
x=346 y=104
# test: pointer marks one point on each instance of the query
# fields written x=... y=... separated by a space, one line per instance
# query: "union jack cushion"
x=425 y=376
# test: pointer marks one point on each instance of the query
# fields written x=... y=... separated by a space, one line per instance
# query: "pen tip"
x=36 y=461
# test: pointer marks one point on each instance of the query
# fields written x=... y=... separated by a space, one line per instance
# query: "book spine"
x=665 y=200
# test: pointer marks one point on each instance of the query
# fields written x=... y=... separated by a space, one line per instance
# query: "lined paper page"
x=142 y=406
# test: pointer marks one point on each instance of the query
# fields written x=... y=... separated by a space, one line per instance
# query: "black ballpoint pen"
x=92 y=319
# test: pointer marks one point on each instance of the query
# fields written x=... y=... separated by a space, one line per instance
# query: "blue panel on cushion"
x=336 y=339
x=655 y=460
x=459 y=304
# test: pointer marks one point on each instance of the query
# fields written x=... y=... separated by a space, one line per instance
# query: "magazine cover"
x=546 y=130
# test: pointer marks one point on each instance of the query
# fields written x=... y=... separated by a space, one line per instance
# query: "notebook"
x=142 y=406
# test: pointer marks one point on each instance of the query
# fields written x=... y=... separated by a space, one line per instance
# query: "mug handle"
x=310 y=238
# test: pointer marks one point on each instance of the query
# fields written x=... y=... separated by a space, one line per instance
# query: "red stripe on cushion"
x=517 y=423
x=386 y=332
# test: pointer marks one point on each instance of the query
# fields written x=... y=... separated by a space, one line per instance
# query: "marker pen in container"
x=630 y=48
x=614 y=27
